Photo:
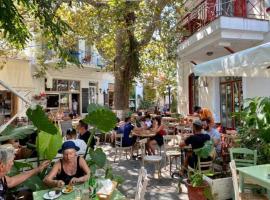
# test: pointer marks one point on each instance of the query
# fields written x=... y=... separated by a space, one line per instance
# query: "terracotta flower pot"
x=196 y=193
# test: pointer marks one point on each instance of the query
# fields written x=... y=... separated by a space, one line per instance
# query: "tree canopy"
x=132 y=36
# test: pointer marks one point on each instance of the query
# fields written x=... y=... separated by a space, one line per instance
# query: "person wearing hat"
x=71 y=169
x=196 y=141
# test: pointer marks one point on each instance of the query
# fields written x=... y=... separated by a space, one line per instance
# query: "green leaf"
x=100 y=117
x=48 y=145
x=40 y=120
x=98 y=157
x=17 y=133
x=34 y=183
x=93 y=107
x=20 y=165
x=205 y=151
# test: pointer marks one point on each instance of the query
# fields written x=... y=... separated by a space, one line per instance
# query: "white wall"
x=254 y=87
x=183 y=72
x=209 y=96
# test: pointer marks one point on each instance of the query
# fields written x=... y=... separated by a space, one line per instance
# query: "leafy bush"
x=254 y=131
x=145 y=104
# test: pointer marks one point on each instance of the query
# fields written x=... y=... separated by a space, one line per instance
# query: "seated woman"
x=69 y=170
x=6 y=161
x=159 y=129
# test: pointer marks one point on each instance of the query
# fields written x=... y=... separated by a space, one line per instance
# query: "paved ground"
x=158 y=189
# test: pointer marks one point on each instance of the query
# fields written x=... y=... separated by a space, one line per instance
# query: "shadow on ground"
x=158 y=189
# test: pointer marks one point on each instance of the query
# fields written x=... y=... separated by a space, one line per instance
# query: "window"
x=193 y=85
x=64 y=86
x=52 y=100
x=64 y=100
x=231 y=98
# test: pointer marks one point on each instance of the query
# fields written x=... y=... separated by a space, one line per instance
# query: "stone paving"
x=157 y=189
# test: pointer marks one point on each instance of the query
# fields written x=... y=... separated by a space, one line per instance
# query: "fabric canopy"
x=252 y=62
x=17 y=74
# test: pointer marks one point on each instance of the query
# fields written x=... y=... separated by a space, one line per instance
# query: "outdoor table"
x=38 y=195
x=144 y=133
x=258 y=174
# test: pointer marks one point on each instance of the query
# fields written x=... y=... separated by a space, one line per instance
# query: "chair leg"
x=170 y=162
x=115 y=154
x=159 y=169
x=120 y=154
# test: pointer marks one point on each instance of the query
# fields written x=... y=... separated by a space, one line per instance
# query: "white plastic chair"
x=237 y=194
x=156 y=159
x=141 y=184
x=118 y=146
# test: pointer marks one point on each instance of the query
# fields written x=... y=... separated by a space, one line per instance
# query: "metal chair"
x=141 y=184
x=171 y=149
x=119 y=147
x=237 y=194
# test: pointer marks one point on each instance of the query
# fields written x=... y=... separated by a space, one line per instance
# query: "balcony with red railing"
x=209 y=10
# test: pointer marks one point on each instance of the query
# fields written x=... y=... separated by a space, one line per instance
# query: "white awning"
x=17 y=74
x=252 y=62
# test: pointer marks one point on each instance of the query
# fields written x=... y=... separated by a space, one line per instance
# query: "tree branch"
x=96 y=4
x=149 y=30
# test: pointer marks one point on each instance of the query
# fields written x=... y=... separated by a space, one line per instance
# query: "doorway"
x=75 y=98
x=231 y=100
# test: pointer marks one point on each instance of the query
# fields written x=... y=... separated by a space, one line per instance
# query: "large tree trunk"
x=126 y=65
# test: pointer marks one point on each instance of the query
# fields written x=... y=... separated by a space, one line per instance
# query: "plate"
x=46 y=196
x=65 y=192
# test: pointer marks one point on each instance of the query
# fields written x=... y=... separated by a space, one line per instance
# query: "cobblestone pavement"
x=157 y=189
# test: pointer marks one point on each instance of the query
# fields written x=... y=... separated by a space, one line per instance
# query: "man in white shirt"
x=72 y=135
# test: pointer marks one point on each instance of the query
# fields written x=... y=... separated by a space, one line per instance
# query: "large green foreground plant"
x=254 y=130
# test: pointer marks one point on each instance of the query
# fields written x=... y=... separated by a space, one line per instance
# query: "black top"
x=65 y=177
x=85 y=138
x=197 y=141
x=3 y=188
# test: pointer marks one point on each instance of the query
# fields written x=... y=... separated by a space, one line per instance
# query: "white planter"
x=222 y=188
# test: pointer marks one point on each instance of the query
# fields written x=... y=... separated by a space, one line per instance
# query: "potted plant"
x=197 y=187
x=220 y=185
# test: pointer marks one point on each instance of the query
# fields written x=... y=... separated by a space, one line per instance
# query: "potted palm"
x=197 y=187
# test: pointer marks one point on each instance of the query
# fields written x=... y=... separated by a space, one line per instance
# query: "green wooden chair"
x=243 y=157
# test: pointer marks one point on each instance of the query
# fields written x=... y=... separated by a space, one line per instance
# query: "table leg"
x=241 y=182
x=268 y=193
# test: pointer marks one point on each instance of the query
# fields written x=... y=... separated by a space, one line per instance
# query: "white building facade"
x=217 y=28
x=87 y=84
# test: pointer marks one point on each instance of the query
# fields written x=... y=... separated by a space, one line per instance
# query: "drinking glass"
x=85 y=194
x=78 y=194
x=100 y=173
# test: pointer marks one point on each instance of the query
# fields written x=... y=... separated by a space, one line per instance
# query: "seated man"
x=196 y=141
x=72 y=136
x=215 y=136
x=84 y=134
x=127 y=140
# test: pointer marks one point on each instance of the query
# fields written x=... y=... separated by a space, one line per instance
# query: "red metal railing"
x=208 y=10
